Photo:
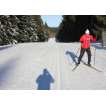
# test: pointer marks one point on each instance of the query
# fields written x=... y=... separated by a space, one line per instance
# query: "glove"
x=82 y=41
x=96 y=36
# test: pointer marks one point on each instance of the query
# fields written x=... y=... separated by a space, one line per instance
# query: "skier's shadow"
x=72 y=55
x=44 y=80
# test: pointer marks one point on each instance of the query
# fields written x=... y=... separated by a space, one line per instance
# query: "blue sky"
x=52 y=20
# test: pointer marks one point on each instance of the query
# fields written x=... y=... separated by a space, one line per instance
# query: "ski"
x=75 y=67
x=93 y=68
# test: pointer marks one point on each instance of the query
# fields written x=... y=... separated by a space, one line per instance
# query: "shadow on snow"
x=44 y=80
x=98 y=45
x=5 y=47
x=72 y=55
x=5 y=71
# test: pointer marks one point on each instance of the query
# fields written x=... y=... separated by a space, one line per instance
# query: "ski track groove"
x=51 y=50
x=44 y=58
x=63 y=47
x=50 y=63
x=56 y=63
x=88 y=78
x=64 y=71
x=54 y=68
x=59 y=72
x=27 y=56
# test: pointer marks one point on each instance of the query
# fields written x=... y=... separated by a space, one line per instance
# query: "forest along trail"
x=46 y=66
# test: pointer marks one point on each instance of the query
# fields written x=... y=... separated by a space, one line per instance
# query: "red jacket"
x=86 y=43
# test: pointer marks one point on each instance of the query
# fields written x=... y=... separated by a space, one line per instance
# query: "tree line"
x=73 y=27
x=30 y=28
x=22 y=28
x=53 y=29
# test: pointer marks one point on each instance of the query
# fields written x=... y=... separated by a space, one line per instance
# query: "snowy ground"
x=32 y=66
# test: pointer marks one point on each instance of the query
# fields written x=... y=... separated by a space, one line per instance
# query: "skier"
x=85 y=40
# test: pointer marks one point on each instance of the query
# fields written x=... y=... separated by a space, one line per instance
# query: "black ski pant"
x=82 y=51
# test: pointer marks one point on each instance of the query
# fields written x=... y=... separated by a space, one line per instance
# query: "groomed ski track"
x=35 y=66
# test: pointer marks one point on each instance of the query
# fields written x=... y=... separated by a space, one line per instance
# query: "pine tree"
x=99 y=25
x=22 y=26
x=6 y=34
x=73 y=27
x=40 y=28
x=32 y=27
x=13 y=20
x=47 y=32
x=66 y=29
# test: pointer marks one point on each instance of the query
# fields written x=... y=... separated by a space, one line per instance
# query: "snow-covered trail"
x=32 y=66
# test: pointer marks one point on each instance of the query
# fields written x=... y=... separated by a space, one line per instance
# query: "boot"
x=89 y=64
x=78 y=63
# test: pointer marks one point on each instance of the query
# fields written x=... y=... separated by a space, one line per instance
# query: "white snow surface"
x=46 y=66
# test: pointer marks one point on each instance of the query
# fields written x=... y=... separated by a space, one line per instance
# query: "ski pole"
x=95 y=53
x=75 y=55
